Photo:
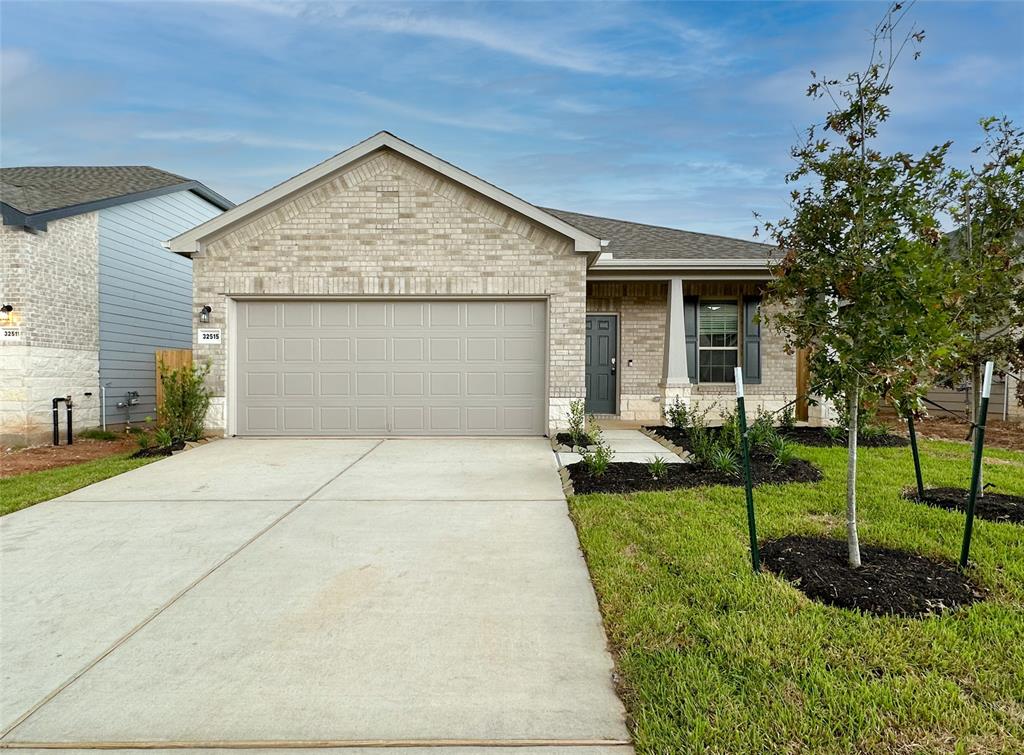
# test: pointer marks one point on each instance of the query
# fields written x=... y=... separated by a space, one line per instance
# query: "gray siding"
x=145 y=293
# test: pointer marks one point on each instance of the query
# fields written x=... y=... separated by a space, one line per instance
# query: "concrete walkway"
x=627 y=445
x=299 y=592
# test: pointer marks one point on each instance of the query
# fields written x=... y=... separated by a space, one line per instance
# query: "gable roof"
x=191 y=241
x=639 y=241
x=32 y=196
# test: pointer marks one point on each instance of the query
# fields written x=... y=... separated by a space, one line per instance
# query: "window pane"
x=718 y=318
x=716 y=366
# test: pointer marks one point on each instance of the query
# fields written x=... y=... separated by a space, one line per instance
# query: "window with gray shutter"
x=718 y=341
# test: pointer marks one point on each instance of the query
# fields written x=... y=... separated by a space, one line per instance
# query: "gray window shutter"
x=751 y=340
x=690 y=320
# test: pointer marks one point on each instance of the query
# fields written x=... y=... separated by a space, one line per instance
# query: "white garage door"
x=391 y=367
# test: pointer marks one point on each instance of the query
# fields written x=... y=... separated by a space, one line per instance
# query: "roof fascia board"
x=686 y=264
x=191 y=241
x=38 y=220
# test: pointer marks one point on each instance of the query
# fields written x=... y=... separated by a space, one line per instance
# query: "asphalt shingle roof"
x=639 y=241
x=34 y=190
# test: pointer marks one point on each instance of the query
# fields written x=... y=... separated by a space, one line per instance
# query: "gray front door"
x=602 y=355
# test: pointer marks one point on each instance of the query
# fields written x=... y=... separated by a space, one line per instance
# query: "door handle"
x=613 y=365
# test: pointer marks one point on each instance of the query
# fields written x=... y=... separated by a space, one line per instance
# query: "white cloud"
x=218 y=136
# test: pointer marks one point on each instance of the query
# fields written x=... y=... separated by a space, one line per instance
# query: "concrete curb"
x=680 y=452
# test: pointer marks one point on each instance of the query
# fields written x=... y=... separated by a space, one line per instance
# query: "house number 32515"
x=210 y=336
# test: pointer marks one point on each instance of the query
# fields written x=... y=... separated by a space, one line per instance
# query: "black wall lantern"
x=5 y=312
x=204 y=313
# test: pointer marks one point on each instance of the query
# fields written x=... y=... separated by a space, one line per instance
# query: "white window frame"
x=738 y=303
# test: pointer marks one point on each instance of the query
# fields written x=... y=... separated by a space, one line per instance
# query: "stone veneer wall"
x=51 y=280
x=642 y=309
x=387 y=226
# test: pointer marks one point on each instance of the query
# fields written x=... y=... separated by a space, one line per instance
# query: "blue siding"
x=145 y=293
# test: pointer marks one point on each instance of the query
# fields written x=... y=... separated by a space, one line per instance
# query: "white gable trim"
x=192 y=241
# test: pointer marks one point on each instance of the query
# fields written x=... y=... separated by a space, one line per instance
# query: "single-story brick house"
x=386 y=291
x=88 y=291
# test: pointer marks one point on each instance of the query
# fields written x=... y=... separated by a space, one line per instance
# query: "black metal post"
x=755 y=554
x=67 y=404
x=979 y=445
x=917 y=456
x=56 y=425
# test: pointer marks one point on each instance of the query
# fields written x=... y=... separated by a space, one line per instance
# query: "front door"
x=602 y=356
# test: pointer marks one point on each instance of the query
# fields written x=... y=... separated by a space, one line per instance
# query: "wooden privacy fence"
x=171 y=359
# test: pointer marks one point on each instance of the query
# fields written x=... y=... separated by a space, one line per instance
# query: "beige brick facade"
x=387 y=226
x=50 y=278
x=642 y=308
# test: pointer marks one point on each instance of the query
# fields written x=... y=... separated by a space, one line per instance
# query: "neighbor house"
x=386 y=291
x=88 y=291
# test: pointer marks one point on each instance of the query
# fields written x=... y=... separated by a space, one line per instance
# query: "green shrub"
x=836 y=433
x=186 y=401
x=599 y=455
x=143 y=440
x=781 y=451
x=725 y=460
x=163 y=437
x=677 y=414
x=577 y=421
x=787 y=419
x=657 y=467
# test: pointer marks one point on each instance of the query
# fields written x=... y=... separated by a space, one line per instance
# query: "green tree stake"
x=755 y=554
x=917 y=456
x=979 y=445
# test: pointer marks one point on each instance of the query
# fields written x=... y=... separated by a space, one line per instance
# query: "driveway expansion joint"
x=174 y=599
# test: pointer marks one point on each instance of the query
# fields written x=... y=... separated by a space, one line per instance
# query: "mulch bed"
x=807 y=436
x=146 y=453
x=888 y=583
x=995 y=507
x=633 y=477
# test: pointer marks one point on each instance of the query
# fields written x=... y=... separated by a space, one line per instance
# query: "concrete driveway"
x=299 y=593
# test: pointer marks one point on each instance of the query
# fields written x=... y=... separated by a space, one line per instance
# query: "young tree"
x=986 y=252
x=859 y=283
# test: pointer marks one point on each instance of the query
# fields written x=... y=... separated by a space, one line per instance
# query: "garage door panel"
x=371 y=314
x=391 y=367
x=261 y=384
x=298 y=384
x=335 y=349
x=335 y=384
x=408 y=384
x=335 y=314
x=408 y=349
x=297 y=350
x=336 y=419
x=298 y=314
x=371 y=419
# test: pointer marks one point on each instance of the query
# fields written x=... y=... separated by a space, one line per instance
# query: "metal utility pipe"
x=56 y=423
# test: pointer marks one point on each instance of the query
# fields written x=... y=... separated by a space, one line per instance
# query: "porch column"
x=675 y=374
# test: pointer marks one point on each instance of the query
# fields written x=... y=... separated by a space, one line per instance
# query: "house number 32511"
x=210 y=336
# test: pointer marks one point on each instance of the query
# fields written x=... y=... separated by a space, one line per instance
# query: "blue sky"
x=677 y=114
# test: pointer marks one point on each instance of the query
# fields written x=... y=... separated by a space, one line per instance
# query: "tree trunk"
x=852 y=542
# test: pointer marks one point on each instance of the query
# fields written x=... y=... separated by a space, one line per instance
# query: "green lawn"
x=714 y=658
x=24 y=490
